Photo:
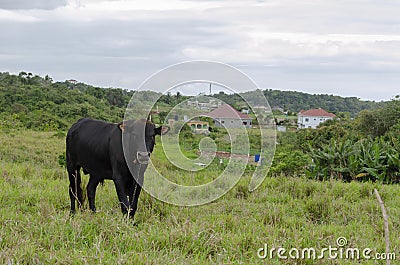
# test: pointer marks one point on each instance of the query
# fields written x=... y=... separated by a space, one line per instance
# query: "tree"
x=167 y=98
x=377 y=122
x=48 y=79
x=178 y=96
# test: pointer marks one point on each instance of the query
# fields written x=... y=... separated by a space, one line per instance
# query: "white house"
x=72 y=81
x=227 y=116
x=312 y=118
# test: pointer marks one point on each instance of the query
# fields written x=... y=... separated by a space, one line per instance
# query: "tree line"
x=35 y=102
x=296 y=101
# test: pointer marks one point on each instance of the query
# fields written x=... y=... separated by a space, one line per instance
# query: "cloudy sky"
x=347 y=48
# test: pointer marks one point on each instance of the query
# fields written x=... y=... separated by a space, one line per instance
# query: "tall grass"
x=286 y=211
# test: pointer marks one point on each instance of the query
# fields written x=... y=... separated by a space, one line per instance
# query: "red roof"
x=316 y=112
x=226 y=111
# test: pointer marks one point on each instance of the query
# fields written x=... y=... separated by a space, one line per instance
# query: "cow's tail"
x=75 y=190
x=77 y=179
x=75 y=187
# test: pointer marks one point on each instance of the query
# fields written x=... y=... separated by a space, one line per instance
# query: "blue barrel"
x=257 y=158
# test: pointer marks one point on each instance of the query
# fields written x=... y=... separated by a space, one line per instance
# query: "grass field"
x=286 y=211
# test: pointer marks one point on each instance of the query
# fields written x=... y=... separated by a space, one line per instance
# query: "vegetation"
x=295 y=101
x=35 y=102
x=365 y=148
x=38 y=103
x=285 y=211
x=319 y=187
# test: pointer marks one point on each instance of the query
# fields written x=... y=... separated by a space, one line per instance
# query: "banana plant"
x=346 y=159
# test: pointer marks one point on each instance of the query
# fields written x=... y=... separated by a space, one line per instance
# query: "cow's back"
x=88 y=146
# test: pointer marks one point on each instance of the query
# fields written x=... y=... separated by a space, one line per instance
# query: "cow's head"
x=140 y=136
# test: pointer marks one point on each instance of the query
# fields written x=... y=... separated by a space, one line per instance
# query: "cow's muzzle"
x=142 y=157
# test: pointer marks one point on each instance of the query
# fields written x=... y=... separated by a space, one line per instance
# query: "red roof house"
x=227 y=116
x=312 y=118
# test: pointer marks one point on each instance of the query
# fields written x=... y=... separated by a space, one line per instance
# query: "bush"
x=62 y=161
x=290 y=162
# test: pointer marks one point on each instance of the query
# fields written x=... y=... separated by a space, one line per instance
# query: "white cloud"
x=16 y=16
x=346 y=42
x=266 y=46
x=31 y=4
x=150 y=5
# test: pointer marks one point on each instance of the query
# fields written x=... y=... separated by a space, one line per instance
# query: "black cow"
x=97 y=147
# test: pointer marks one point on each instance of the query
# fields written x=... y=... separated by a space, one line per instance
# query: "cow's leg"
x=91 y=192
x=130 y=190
x=135 y=200
x=137 y=188
x=120 y=187
x=75 y=190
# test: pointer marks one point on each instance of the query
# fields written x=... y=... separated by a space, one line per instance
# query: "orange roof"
x=316 y=112
x=226 y=111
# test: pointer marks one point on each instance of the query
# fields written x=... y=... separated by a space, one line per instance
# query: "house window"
x=245 y=123
x=222 y=122
x=307 y=119
x=198 y=126
x=231 y=121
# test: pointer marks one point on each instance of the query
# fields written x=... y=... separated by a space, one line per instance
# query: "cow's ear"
x=121 y=126
x=129 y=126
x=162 y=130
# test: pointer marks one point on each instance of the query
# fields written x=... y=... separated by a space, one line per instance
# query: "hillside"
x=319 y=189
x=294 y=101
x=35 y=102
x=39 y=103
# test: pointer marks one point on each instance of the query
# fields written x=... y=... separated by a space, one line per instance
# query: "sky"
x=349 y=48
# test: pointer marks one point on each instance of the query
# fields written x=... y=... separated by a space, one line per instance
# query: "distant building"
x=72 y=81
x=281 y=128
x=227 y=116
x=276 y=108
x=200 y=127
x=171 y=122
x=312 y=118
x=211 y=104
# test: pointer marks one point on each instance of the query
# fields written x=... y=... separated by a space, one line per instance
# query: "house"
x=278 y=109
x=72 y=81
x=312 y=118
x=200 y=127
x=227 y=116
x=207 y=105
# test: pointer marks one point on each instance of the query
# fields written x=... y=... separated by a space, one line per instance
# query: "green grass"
x=286 y=211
